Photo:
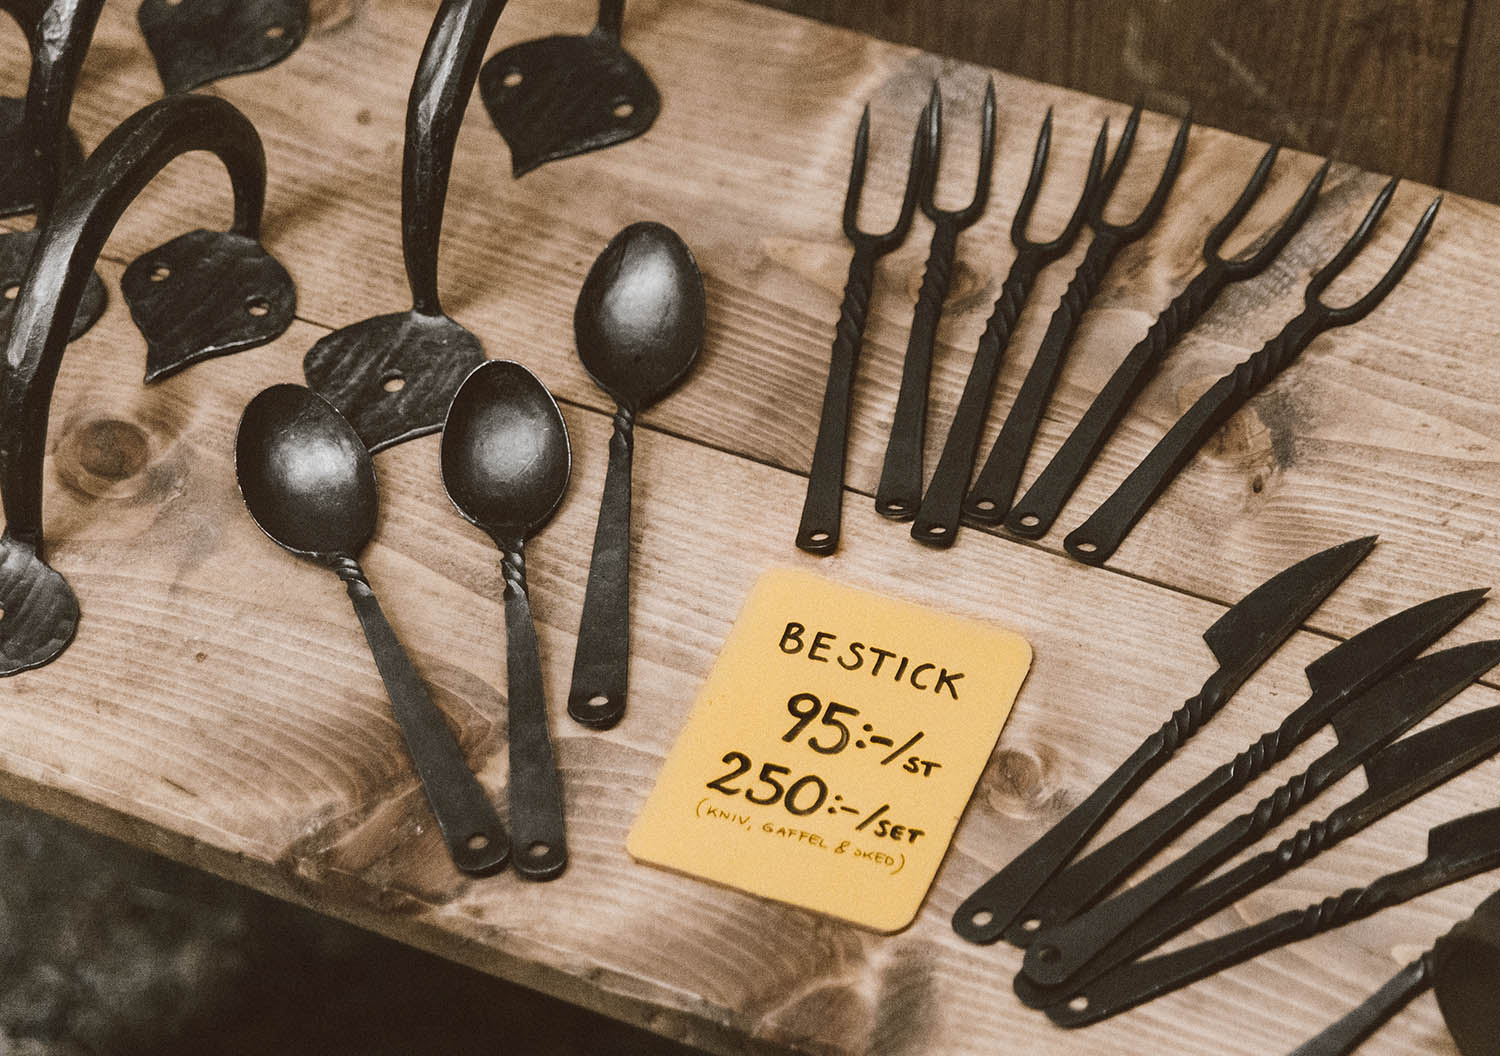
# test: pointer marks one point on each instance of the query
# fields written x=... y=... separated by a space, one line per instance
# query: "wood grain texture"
x=1367 y=81
x=220 y=706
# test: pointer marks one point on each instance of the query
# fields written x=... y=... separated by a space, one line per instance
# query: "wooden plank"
x=1471 y=164
x=219 y=704
x=1368 y=82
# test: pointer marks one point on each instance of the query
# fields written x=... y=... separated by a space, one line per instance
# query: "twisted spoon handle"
x=601 y=664
x=536 y=801
x=937 y=519
x=900 y=489
x=822 y=509
x=475 y=837
x=1035 y=513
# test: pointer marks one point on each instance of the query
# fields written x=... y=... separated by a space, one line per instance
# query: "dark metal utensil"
x=1039 y=507
x=309 y=484
x=1463 y=967
x=393 y=376
x=1336 y=678
x=1456 y=851
x=560 y=96
x=195 y=42
x=937 y=517
x=900 y=489
x=506 y=463
x=36 y=149
x=1100 y=536
x=1242 y=639
x=990 y=497
x=1376 y=719
x=638 y=325
x=822 y=510
x=41 y=612
x=1396 y=775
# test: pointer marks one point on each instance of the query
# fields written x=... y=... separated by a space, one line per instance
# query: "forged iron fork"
x=1098 y=537
x=990 y=498
x=1038 y=509
x=900 y=489
x=937 y=518
x=818 y=532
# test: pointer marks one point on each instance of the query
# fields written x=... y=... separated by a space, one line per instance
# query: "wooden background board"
x=1403 y=86
x=219 y=704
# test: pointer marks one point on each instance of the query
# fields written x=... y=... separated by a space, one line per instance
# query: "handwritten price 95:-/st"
x=804 y=707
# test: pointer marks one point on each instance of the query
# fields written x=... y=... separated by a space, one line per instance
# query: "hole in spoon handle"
x=536 y=801
x=601 y=665
x=476 y=839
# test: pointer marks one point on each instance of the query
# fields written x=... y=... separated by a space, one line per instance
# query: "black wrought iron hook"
x=937 y=517
x=1098 y=537
x=900 y=489
x=41 y=611
x=1037 y=510
x=990 y=498
x=37 y=151
x=822 y=509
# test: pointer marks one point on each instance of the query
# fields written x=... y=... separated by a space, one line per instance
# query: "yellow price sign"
x=832 y=749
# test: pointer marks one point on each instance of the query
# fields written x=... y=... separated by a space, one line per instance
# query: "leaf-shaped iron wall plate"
x=206 y=294
x=560 y=96
x=195 y=42
x=39 y=609
x=393 y=376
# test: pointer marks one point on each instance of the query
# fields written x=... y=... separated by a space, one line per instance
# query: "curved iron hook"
x=1097 y=538
x=41 y=611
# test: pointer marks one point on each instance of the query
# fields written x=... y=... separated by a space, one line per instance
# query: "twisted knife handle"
x=822 y=509
x=986 y=914
x=1035 y=513
x=1101 y=535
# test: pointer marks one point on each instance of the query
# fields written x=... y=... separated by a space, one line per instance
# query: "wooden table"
x=219 y=704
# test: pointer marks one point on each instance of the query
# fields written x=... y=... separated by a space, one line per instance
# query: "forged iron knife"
x=1396 y=775
x=1378 y=717
x=1336 y=678
x=1462 y=966
x=1456 y=850
x=1241 y=640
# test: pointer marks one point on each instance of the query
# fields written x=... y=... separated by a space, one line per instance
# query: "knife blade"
x=1378 y=717
x=1396 y=775
x=1336 y=678
x=1241 y=640
x=1456 y=850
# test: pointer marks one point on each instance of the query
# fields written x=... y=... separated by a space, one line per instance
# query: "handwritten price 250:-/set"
x=807 y=794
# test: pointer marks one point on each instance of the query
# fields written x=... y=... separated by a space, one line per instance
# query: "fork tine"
x=857 y=176
x=1362 y=307
x=1158 y=198
x=1116 y=166
x=1351 y=248
x=972 y=211
x=1277 y=242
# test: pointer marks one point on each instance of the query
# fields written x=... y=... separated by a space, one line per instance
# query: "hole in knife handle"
x=1079 y=1003
x=539 y=849
x=12 y=291
x=160 y=273
x=598 y=703
x=985 y=505
x=937 y=529
x=258 y=306
x=512 y=79
x=1086 y=547
x=1031 y=924
x=818 y=537
x=623 y=108
x=395 y=381
x=1031 y=520
x=477 y=842
x=275 y=32
x=982 y=918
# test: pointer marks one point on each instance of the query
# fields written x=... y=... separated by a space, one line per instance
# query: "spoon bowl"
x=306 y=479
x=505 y=454
x=641 y=315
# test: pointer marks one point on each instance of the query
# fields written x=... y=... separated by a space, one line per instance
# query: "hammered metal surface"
x=19 y=188
x=206 y=294
x=393 y=376
x=195 y=42
x=559 y=96
x=15 y=258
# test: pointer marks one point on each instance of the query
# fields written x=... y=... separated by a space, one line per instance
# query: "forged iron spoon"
x=638 y=326
x=309 y=484
x=506 y=463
